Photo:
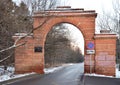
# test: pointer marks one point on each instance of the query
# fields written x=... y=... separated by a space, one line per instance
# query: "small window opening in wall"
x=38 y=49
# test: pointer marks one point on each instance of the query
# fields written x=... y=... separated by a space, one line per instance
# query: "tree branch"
x=22 y=37
x=6 y=58
x=14 y=46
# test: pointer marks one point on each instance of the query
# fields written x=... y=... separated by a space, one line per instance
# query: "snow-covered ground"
x=98 y=75
x=117 y=71
x=5 y=75
x=9 y=74
x=53 y=69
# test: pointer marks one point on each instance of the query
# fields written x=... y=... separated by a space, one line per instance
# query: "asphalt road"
x=69 y=75
x=92 y=80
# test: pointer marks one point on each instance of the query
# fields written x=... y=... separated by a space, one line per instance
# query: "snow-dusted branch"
x=6 y=58
x=14 y=46
x=24 y=36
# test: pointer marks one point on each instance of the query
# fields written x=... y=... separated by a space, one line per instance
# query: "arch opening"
x=64 y=44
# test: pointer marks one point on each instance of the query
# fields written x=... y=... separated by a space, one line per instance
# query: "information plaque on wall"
x=38 y=49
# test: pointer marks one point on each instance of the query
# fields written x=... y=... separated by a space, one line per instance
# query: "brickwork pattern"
x=105 y=54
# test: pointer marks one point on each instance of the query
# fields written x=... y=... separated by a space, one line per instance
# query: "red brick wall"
x=105 y=54
x=26 y=60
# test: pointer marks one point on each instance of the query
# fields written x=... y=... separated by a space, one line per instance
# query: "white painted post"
x=90 y=64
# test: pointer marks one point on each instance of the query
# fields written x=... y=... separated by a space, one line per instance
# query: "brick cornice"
x=66 y=15
x=104 y=36
x=65 y=12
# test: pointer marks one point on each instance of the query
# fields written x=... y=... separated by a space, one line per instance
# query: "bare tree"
x=38 y=5
x=13 y=18
x=105 y=22
x=116 y=7
x=111 y=21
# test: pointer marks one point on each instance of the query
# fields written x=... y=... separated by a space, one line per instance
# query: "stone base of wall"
x=105 y=64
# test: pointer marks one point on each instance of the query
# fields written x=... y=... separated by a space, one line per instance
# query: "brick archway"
x=30 y=57
x=84 y=22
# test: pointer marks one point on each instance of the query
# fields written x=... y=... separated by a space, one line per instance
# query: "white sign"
x=90 y=51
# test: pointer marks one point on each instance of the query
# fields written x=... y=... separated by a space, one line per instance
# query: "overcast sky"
x=97 y=5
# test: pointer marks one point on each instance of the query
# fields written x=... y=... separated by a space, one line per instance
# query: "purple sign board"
x=90 y=45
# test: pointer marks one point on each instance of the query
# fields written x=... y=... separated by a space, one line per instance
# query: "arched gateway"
x=99 y=48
